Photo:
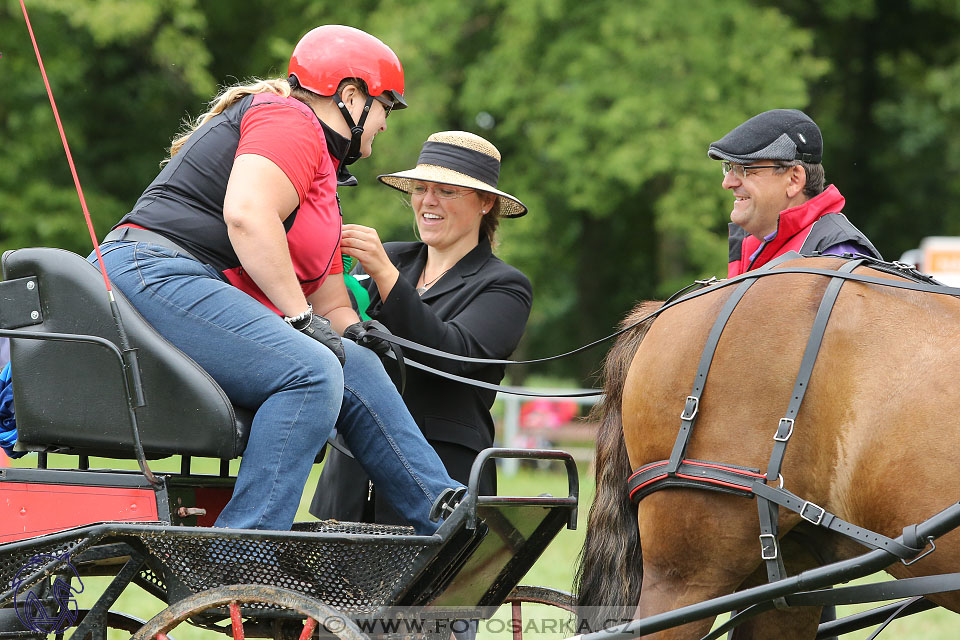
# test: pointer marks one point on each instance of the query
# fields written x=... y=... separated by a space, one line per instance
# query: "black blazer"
x=478 y=308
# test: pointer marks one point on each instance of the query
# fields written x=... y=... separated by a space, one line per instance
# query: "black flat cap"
x=780 y=134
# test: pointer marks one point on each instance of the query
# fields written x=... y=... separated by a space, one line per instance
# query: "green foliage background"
x=603 y=111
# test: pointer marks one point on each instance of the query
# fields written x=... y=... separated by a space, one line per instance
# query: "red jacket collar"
x=800 y=217
x=791 y=223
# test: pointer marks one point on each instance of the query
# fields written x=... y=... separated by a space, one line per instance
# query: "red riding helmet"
x=328 y=54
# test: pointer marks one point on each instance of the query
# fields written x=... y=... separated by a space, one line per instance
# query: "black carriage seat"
x=70 y=397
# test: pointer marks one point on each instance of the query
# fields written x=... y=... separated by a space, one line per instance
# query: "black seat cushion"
x=71 y=397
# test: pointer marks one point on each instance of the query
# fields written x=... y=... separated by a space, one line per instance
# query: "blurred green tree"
x=889 y=108
x=604 y=114
x=123 y=72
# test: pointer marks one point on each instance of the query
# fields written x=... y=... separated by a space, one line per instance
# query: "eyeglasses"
x=742 y=171
x=440 y=191
x=387 y=104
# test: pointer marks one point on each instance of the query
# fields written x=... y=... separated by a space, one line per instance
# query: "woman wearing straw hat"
x=448 y=292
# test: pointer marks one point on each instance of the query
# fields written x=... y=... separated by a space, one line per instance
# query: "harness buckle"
x=816 y=519
x=903 y=266
x=932 y=548
x=707 y=282
x=784 y=422
x=768 y=546
x=690 y=408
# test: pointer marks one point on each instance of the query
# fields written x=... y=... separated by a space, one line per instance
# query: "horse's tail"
x=609 y=570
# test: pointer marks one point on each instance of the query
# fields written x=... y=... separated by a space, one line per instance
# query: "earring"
x=482 y=211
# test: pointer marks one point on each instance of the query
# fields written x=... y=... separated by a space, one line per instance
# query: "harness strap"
x=692 y=405
x=707 y=289
x=517 y=391
x=696 y=284
x=817 y=515
x=692 y=474
x=743 y=481
x=767 y=510
x=785 y=426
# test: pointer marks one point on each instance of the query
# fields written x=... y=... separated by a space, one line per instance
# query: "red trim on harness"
x=635 y=489
x=709 y=465
x=642 y=469
x=717 y=482
x=741 y=472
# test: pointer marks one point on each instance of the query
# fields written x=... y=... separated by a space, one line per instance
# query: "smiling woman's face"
x=447 y=215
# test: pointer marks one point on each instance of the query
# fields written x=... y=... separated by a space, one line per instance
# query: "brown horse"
x=874 y=442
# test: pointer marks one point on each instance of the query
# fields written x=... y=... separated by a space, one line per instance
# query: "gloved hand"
x=358 y=333
x=320 y=330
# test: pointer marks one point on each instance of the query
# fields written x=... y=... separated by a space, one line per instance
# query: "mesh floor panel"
x=30 y=560
x=352 y=575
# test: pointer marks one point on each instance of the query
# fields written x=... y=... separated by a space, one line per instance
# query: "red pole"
x=516 y=620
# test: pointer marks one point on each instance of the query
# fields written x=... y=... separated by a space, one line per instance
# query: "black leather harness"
x=680 y=471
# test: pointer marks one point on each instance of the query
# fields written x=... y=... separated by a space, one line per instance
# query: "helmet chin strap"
x=356 y=129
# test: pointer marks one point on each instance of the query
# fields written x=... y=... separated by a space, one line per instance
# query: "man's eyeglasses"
x=742 y=170
x=387 y=104
x=439 y=190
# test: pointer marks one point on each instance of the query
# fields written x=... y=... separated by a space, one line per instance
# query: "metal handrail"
x=131 y=383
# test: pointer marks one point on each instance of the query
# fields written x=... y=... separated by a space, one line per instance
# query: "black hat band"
x=475 y=164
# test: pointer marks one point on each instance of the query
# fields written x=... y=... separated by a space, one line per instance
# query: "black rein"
x=708 y=286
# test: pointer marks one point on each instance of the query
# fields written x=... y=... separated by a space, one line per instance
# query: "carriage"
x=78 y=393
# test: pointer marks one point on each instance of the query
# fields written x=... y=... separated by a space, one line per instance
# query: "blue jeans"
x=294 y=383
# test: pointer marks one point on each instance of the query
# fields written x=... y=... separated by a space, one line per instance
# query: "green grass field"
x=555 y=569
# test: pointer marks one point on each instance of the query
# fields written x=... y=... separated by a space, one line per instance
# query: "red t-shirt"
x=288 y=133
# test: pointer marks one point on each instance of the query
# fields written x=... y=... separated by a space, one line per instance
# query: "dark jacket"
x=479 y=308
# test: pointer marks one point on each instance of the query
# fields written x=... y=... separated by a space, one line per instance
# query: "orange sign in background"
x=941 y=258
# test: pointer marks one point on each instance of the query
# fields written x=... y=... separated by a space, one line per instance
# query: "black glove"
x=358 y=333
x=320 y=330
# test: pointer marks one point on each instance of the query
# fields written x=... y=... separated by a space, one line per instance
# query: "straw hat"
x=460 y=159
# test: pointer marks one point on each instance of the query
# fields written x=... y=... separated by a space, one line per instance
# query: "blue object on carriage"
x=8 y=420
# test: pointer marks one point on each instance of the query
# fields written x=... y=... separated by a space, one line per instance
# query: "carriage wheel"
x=536 y=595
x=315 y=613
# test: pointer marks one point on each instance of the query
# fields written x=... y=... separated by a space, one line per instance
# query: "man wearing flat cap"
x=771 y=163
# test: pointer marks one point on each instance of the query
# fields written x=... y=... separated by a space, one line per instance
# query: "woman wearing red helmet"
x=229 y=253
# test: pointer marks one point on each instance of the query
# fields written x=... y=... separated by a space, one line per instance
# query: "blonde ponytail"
x=227 y=97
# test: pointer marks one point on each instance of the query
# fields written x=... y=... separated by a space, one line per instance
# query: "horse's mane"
x=609 y=569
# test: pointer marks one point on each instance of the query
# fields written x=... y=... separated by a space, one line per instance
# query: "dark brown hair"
x=816 y=180
x=490 y=222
